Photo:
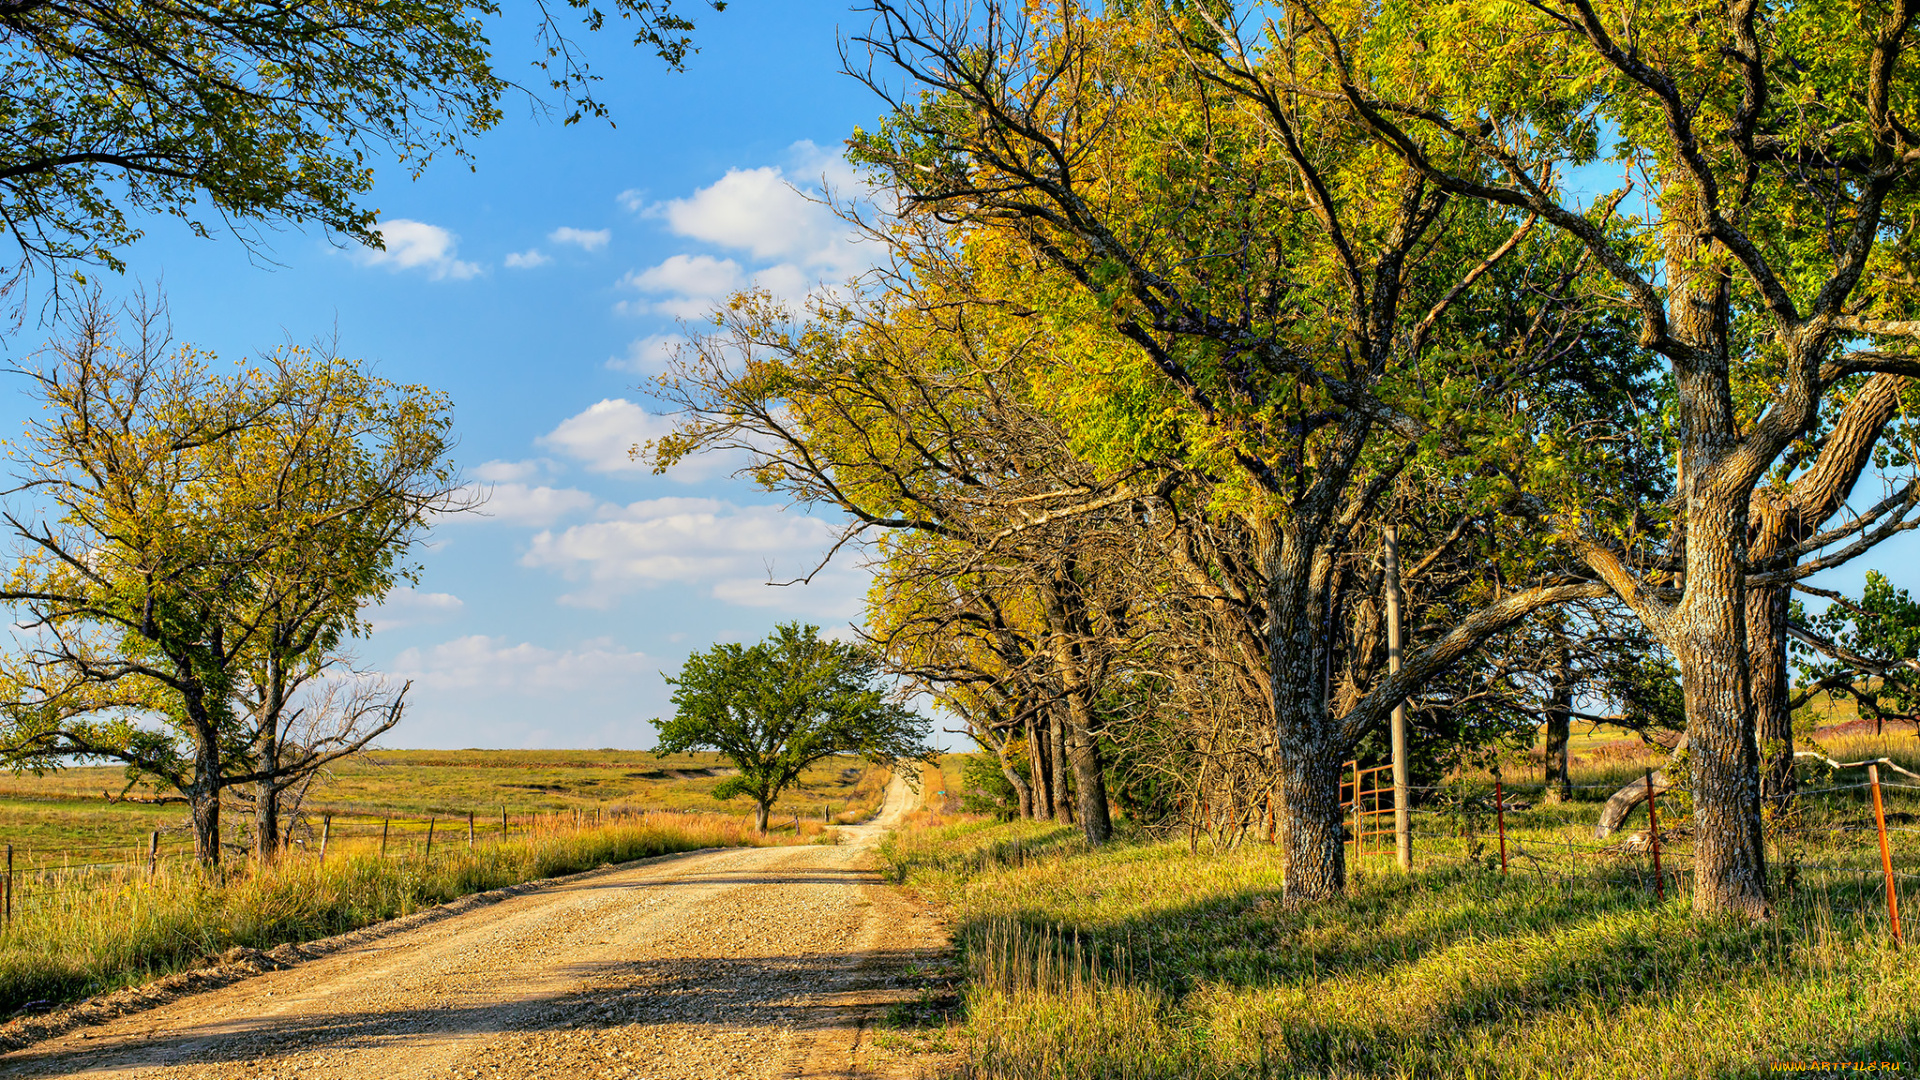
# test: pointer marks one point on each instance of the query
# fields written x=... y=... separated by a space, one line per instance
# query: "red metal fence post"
x=1886 y=856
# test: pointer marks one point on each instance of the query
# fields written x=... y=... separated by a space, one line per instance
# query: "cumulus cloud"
x=772 y=213
x=602 y=437
x=731 y=550
x=480 y=662
x=526 y=260
x=647 y=355
x=585 y=239
x=507 y=472
x=693 y=285
x=403 y=606
x=527 y=504
x=416 y=245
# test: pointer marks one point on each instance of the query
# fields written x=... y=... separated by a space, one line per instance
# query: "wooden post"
x=326 y=833
x=1886 y=856
x=469 y=829
x=384 y=822
x=1402 y=794
x=1500 y=821
x=153 y=851
x=1653 y=836
x=9 y=907
x=503 y=821
x=1359 y=834
x=429 y=855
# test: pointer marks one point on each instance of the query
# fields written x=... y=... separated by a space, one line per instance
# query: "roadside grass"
x=65 y=817
x=1148 y=960
x=94 y=932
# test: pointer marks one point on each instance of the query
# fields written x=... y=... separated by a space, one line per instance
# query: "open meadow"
x=75 y=816
x=1175 y=955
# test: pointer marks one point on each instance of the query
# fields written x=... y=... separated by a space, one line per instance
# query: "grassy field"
x=82 y=933
x=65 y=818
x=1146 y=959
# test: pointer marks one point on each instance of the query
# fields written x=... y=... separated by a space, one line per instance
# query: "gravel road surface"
x=759 y=962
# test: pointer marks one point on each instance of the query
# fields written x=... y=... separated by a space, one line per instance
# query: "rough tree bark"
x=1042 y=766
x=1560 y=723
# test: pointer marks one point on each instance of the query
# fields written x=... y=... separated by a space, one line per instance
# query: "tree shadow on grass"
x=1410 y=973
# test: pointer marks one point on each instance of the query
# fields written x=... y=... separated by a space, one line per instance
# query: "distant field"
x=64 y=817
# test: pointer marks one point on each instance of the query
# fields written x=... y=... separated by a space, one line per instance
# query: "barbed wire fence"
x=30 y=877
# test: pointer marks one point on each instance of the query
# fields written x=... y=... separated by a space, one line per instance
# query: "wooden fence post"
x=1500 y=821
x=429 y=855
x=153 y=851
x=384 y=822
x=1886 y=855
x=1653 y=836
x=326 y=833
x=503 y=821
x=9 y=906
x=1402 y=786
x=469 y=829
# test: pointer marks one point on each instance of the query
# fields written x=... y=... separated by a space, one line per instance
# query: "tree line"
x=1603 y=311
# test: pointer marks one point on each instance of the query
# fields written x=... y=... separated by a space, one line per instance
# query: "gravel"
x=756 y=962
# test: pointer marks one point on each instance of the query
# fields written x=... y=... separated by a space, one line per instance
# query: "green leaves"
x=777 y=706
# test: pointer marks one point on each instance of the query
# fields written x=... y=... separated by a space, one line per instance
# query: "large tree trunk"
x=204 y=797
x=1067 y=630
x=1042 y=768
x=1089 y=772
x=266 y=797
x=1307 y=746
x=1709 y=639
x=1772 y=718
x=1560 y=726
x=760 y=809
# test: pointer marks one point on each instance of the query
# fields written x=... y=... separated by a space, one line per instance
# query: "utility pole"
x=1402 y=807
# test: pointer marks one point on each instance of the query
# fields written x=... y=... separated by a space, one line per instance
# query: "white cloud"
x=480 y=662
x=697 y=284
x=524 y=504
x=507 y=472
x=732 y=550
x=403 y=606
x=602 y=437
x=647 y=355
x=633 y=200
x=767 y=214
x=586 y=239
x=526 y=260
x=416 y=245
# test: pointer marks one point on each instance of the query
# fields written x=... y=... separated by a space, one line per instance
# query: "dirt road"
x=767 y=962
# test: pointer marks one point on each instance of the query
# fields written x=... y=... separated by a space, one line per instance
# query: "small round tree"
x=775 y=707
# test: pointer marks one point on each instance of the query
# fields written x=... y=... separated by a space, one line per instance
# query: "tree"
x=775 y=707
x=1867 y=649
x=205 y=543
x=244 y=113
x=1235 y=283
x=1773 y=144
x=338 y=482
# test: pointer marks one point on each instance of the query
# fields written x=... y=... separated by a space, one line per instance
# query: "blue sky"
x=539 y=289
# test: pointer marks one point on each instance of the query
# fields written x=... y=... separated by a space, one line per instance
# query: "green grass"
x=89 y=933
x=65 y=817
x=1145 y=960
